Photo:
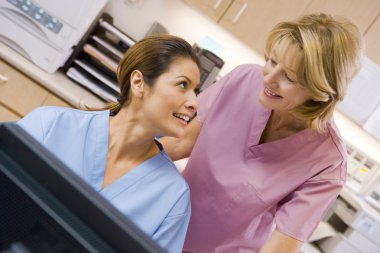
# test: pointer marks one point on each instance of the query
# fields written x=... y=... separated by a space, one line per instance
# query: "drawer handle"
x=217 y=4
x=238 y=14
x=3 y=79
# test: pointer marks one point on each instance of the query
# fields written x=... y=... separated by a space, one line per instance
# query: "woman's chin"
x=263 y=103
x=178 y=133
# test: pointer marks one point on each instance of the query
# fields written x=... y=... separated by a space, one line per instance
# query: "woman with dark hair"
x=115 y=150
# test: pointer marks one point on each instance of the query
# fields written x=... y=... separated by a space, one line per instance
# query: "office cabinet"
x=212 y=8
x=7 y=115
x=19 y=94
x=54 y=100
x=251 y=20
x=363 y=13
x=372 y=41
x=360 y=12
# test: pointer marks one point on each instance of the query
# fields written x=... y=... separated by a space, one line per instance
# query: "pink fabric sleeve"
x=299 y=213
x=207 y=98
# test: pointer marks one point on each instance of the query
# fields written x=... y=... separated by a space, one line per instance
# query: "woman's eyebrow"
x=188 y=79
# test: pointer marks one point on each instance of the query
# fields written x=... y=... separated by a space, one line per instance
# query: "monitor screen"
x=45 y=207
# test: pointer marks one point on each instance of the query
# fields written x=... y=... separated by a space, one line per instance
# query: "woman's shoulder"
x=170 y=172
x=245 y=75
x=330 y=149
x=170 y=184
x=249 y=67
x=67 y=110
x=246 y=69
x=330 y=139
x=48 y=118
x=180 y=191
x=337 y=140
x=54 y=113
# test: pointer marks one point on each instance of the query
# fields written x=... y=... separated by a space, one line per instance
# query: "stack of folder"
x=95 y=62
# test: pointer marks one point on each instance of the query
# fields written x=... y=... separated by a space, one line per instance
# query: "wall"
x=181 y=20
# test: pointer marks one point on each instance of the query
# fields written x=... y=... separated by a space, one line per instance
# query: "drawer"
x=20 y=92
x=55 y=101
x=6 y=115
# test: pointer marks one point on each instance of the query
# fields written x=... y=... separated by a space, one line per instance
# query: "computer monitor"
x=45 y=207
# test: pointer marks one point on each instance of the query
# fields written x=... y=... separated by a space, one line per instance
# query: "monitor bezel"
x=59 y=191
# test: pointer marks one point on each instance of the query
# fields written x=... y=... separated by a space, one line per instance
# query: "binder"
x=98 y=75
x=85 y=80
x=101 y=57
x=113 y=30
x=108 y=46
x=94 y=62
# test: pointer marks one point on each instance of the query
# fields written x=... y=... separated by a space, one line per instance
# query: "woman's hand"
x=281 y=243
x=178 y=148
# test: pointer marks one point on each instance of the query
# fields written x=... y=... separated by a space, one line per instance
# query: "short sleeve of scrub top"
x=208 y=96
x=36 y=125
x=306 y=206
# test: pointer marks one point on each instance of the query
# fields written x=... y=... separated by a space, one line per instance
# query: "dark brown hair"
x=152 y=56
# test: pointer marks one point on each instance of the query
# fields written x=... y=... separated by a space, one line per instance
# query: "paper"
x=112 y=29
x=372 y=125
x=108 y=46
x=323 y=230
x=101 y=57
x=363 y=94
x=98 y=75
x=80 y=77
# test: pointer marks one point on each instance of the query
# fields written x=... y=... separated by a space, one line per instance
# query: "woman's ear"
x=137 y=83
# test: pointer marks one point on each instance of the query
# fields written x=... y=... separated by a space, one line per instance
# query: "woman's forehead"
x=288 y=53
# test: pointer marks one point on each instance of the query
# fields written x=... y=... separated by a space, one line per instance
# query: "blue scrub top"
x=153 y=195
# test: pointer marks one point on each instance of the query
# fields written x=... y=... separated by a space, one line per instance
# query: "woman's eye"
x=273 y=62
x=183 y=85
x=289 y=79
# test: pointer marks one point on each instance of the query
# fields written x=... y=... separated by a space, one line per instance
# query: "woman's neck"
x=281 y=125
x=128 y=137
x=130 y=144
x=285 y=120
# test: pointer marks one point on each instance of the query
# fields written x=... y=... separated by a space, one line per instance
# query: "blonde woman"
x=267 y=159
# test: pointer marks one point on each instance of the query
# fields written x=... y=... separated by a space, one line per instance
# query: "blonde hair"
x=329 y=56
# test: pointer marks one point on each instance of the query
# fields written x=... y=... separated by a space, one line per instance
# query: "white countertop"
x=358 y=137
x=57 y=82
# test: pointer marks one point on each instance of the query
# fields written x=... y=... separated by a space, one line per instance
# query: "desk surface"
x=57 y=82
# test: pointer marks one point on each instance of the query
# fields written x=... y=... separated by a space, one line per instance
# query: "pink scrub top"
x=241 y=190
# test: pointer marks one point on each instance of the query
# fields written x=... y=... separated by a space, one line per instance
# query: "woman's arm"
x=279 y=242
x=178 y=148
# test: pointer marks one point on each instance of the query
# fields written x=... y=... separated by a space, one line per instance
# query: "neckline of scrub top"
x=97 y=155
x=275 y=147
x=133 y=176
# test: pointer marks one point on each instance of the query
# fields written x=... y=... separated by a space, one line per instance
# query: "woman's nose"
x=272 y=75
x=192 y=102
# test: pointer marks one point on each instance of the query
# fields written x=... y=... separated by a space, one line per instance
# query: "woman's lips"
x=271 y=94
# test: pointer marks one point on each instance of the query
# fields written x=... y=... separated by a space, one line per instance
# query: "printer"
x=46 y=31
x=357 y=225
x=211 y=64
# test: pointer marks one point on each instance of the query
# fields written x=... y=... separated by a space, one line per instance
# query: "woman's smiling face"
x=281 y=90
x=172 y=102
